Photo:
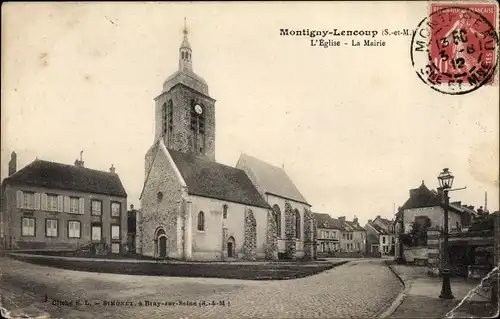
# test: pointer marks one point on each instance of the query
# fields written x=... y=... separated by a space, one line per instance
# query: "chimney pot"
x=112 y=169
x=13 y=163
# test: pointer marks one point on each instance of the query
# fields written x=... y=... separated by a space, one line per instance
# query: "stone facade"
x=224 y=241
x=434 y=256
x=271 y=237
x=250 y=242
x=291 y=244
x=183 y=100
x=159 y=210
x=309 y=242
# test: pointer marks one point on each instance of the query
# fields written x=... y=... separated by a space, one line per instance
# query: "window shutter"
x=44 y=201
x=66 y=204
x=81 y=208
x=37 y=201
x=20 y=199
x=60 y=204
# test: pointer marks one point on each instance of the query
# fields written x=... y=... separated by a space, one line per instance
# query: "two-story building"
x=48 y=205
x=329 y=231
x=380 y=236
x=353 y=237
x=424 y=204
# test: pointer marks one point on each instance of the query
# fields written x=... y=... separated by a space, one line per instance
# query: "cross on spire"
x=185 y=27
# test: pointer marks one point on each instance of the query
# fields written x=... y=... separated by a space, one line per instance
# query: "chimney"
x=112 y=169
x=355 y=219
x=413 y=192
x=13 y=163
x=78 y=163
x=370 y=221
x=342 y=219
x=131 y=206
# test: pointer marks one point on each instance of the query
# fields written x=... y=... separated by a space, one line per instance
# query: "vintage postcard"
x=250 y=159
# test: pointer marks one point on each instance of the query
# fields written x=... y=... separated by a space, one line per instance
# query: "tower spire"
x=185 y=62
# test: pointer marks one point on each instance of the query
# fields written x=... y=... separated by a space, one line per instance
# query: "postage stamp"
x=455 y=49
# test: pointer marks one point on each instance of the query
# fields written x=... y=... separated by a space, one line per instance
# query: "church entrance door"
x=163 y=246
x=230 y=247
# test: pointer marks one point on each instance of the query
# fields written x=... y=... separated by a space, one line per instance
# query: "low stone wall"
x=416 y=255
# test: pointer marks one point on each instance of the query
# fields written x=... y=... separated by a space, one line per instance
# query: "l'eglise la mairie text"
x=369 y=43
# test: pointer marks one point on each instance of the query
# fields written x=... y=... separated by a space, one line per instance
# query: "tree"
x=418 y=233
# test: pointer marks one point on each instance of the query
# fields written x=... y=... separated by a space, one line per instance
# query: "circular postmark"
x=455 y=50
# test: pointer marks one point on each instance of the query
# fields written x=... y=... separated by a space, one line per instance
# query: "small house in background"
x=380 y=236
x=353 y=238
x=48 y=205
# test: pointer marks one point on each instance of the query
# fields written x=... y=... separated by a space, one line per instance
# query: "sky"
x=354 y=127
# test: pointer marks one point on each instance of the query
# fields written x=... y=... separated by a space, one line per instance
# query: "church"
x=193 y=208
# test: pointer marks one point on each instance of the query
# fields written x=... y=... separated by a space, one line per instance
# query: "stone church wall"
x=209 y=245
x=250 y=241
x=159 y=213
x=181 y=97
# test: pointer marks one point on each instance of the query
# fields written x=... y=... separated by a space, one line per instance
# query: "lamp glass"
x=445 y=179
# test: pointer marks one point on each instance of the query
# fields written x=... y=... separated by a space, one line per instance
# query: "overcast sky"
x=355 y=127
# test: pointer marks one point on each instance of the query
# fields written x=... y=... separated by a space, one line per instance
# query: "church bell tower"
x=184 y=111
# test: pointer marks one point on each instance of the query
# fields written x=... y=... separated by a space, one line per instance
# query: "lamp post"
x=445 y=179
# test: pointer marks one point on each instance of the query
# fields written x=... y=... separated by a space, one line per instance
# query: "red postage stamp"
x=455 y=49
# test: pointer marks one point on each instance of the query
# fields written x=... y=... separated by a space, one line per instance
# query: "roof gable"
x=206 y=178
x=271 y=179
x=326 y=221
x=61 y=176
x=422 y=197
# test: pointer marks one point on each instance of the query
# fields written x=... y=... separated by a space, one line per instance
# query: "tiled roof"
x=354 y=226
x=61 y=176
x=379 y=229
x=271 y=179
x=210 y=179
x=326 y=221
x=422 y=197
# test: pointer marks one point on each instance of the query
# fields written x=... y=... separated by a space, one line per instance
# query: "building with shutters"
x=48 y=205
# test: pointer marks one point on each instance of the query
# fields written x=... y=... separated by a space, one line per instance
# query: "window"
x=96 y=208
x=51 y=227
x=74 y=229
x=277 y=219
x=170 y=120
x=28 y=200
x=115 y=209
x=74 y=205
x=383 y=240
x=115 y=232
x=201 y=221
x=297 y=224
x=52 y=202
x=224 y=212
x=96 y=232
x=164 y=118
x=28 y=227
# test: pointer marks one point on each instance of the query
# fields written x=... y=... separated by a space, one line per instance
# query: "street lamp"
x=445 y=179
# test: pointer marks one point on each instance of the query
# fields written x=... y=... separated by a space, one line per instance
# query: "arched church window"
x=277 y=219
x=164 y=118
x=183 y=54
x=224 y=211
x=170 y=111
x=201 y=221
x=297 y=224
